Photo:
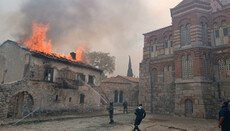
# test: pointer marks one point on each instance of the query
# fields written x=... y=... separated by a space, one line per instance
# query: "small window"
x=171 y=43
x=82 y=99
x=70 y=99
x=217 y=33
x=225 y=31
x=48 y=75
x=91 y=79
x=56 y=98
x=166 y=45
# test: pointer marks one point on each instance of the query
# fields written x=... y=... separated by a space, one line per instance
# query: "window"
x=82 y=98
x=187 y=70
x=182 y=35
x=188 y=107
x=171 y=43
x=70 y=99
x=151 y=48
x=166 y=45
x=183 y=61
x=225 y=30
x=188 y=34
x=81 y=76
x=227 y=64
x=48 y=75
x=221 y=65
x=116 y=96
x=204 y=33
x=217 y=33
x=189 y=66
x=121 y=97
x=91 y=80
x=56 y=98
x=185 y=35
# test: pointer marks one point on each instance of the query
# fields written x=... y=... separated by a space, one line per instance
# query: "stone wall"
x=49 y=98
x=130 y=92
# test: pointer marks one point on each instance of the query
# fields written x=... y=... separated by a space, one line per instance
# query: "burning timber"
x=33 y=80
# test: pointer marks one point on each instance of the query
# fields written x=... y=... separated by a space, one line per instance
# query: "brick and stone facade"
x=32 y=80
x=120 y=89
x=188 y=62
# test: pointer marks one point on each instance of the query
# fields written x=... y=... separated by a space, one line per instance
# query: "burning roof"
x=53 y=57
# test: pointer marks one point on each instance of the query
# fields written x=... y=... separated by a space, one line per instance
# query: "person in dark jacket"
x=125 y=105
x=224 y=117
x=140 y=114
x=110 y=109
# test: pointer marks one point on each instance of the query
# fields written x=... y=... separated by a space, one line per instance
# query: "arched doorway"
x=188 y=107
x=20 y=105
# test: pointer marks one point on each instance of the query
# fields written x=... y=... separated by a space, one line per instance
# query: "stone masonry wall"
x=51 y=99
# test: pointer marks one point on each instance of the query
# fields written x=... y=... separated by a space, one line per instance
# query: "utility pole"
x=150 y=80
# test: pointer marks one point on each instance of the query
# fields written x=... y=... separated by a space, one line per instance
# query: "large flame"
x=38 y=43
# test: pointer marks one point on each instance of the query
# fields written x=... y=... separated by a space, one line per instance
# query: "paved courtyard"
x=123 y=122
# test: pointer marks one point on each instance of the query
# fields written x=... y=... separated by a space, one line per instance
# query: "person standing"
x=111 y=113
x=224 y=117
x=125 y=105
x=140 y=114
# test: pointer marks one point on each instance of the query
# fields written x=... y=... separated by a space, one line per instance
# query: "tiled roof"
x=132 y=79
x=121 y=79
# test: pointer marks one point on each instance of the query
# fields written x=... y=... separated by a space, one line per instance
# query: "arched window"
x=82 y=98
x=182 y=35
x=115 y=96
x=188 y=107
x=204 y=32
x=121 y=97
x=188 y=38
x=185 y=35
x=190 y=72
x=184 y=67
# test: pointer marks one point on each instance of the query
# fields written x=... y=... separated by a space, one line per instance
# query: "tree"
x=102 y=61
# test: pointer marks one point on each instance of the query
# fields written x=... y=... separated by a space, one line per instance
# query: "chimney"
x=73 y=55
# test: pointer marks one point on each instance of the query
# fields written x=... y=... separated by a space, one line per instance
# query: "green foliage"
x=102 y=61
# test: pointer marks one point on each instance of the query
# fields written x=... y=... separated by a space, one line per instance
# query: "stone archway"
x=20 y=105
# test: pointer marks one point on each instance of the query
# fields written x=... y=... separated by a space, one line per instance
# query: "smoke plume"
x=114 y=26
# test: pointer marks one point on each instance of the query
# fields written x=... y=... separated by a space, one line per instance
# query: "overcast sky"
x=114 y=26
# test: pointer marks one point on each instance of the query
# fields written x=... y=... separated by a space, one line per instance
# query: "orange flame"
x=37 y=43
x=79 y=51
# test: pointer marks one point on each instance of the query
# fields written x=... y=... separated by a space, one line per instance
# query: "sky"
x=113 y=26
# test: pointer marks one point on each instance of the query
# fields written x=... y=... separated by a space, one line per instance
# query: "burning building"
x=186 y=66
x=33 y=80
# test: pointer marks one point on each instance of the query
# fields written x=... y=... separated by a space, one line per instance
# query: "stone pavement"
x=123 y=122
